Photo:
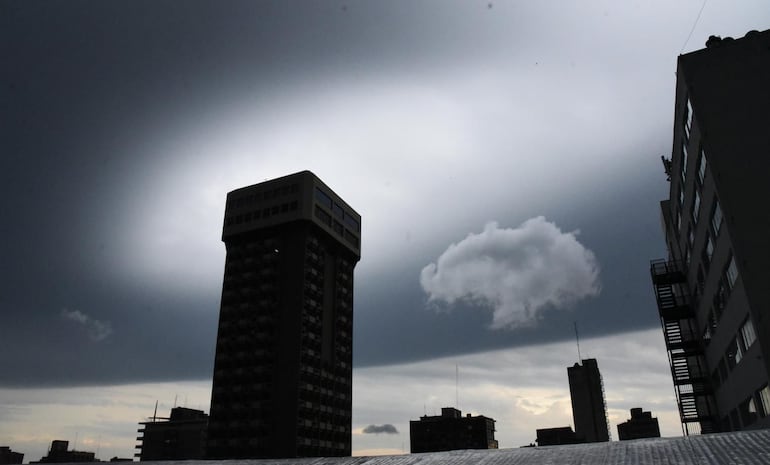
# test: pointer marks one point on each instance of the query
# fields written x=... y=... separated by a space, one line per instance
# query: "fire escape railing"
x=685 y=348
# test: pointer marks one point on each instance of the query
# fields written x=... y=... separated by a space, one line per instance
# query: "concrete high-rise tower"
x=283 y=367
x=588 y=408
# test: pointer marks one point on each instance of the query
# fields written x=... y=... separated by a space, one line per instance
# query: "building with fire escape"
x=711 y=290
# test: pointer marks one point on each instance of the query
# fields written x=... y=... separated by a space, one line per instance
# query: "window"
x=338 y=228
x=684 y=161
x=716 y=217
x=696 y=207
x=734 y=354
x=352 y=223
x=748 y=411
x=731 y=273
x=323 y=216
x=702 y=167
x=337 y=210
x=687 y=119
x=708 y=250
x=323 y=199
x=764 y=397
x=748 y=335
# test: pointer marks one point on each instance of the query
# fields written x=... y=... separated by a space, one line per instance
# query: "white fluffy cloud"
x=517 y=272
x=97 y=330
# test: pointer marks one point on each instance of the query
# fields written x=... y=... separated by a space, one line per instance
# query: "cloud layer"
x=97 y=330
x=379 y=429
x=517 y=272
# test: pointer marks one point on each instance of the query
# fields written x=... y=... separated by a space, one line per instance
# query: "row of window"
x=261 y=213
x=734 y=352
x=337 y=210
x=258 y=197
x=343 y=232
x=755 y=406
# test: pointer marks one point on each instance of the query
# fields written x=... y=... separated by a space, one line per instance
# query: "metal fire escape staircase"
x=685 y=348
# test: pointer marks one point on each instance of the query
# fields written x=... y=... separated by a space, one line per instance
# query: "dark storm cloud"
x=93 y=92
x=380 y=429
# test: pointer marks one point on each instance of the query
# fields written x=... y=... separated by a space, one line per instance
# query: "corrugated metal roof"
x=744 y=448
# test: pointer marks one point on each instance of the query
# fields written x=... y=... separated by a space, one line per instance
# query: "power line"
x=693 y=26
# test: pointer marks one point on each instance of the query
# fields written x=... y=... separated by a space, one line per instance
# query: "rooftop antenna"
x=457 y=384
x=155 y=413
x=74 y=446
x=175 y=397
x=577 y=339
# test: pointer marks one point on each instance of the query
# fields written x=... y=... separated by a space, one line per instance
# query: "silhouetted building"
x=712 y=290
x=59 y=454
x=589 y=412
x=556 y=436
x=7 y=456
x=451 y=431
x=283 y=369
x=641 y=425
x=182 y=436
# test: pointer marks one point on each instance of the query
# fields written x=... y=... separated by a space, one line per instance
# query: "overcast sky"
x=504 y=157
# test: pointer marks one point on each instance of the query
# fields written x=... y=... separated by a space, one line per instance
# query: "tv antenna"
x=577 y=340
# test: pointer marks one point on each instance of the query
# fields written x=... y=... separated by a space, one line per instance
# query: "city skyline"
x=457 y=130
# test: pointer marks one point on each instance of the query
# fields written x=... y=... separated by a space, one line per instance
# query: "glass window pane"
x=732 y=273
x=702 y=166
x=716 y=217
x=748 y=335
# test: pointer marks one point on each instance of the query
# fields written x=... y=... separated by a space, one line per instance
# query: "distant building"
x=59 y=454
x=556 y=436
x=180 y=437
x=282 y=382
x=712 y=289
x=451 y=431
x=589 y=410
x=641 y=425
x=8 y=457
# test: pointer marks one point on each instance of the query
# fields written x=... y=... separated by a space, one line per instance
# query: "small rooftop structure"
x=641 y=425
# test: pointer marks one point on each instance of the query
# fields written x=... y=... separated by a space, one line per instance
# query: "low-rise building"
x=60 y=453
x=8 y=457
x=641 y=425
x=452 y=431
x=181 y=436
x=556 y=436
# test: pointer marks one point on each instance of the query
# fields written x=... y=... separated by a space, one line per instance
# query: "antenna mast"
x=577 y=339
x=457 y=390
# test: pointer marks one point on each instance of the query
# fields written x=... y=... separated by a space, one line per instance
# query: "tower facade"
x=589 y=411
x=282 y=382
x=711 y=290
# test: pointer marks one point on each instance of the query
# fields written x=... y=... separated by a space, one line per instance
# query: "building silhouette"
x=59 y=453
x=641 y=425
x=589 y=412
x=282 y=382
x=556 y=436
x=8 y=457
x=451 y=431
x=181 y=436
x=712 y=290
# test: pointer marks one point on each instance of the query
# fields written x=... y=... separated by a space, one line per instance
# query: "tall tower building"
x=712 y=290
x=589 y=410
x=283 y=367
